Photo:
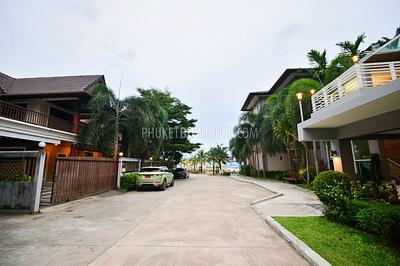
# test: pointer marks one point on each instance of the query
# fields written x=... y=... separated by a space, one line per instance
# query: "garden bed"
x=340 y=244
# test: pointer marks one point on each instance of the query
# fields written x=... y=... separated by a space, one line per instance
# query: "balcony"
x=15 y=112
x=366 y=75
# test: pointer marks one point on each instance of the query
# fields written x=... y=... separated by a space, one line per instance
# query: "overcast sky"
x=210 y=54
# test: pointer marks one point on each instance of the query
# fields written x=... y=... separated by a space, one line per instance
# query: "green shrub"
x=311 y=172
x=128 y=181
x=18 y=177
x=245 y=170
x=226 y=173
x=335 y=190
x=379 y=218
x=278 y=175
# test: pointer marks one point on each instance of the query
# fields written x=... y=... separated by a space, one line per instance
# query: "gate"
x=78 y=177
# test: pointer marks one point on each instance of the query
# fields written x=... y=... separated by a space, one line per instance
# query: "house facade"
x=45 y=109
x=260 y=159
x=358 y=114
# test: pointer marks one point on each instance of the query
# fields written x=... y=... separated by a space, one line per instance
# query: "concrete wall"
x=16 y=195
x=277 y=162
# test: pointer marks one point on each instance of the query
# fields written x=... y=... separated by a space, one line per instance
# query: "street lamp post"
x=299 y=98
x=315 y=147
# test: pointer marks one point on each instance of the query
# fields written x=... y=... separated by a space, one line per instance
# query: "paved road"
x=204 y=220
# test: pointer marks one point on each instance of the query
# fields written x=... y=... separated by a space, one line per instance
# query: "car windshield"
x=150 y=169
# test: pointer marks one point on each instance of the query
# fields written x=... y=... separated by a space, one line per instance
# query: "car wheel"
x=172 y=182
x=163 y=185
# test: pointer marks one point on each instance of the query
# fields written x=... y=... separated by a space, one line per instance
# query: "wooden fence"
x=77 y=177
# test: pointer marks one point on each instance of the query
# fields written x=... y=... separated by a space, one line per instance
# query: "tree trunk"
x=306 y=161
x=289 y=160
x=201 y=169
x=258 y=162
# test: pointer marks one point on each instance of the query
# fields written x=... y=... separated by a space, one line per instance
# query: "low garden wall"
x=17 y=195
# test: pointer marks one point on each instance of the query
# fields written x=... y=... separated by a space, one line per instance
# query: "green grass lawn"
x=340 y=244
x=305 y=186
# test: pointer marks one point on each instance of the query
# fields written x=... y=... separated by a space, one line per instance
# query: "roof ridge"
x=67 y=76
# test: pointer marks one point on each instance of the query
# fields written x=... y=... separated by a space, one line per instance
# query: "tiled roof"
x=47 y=85
x=5 y=82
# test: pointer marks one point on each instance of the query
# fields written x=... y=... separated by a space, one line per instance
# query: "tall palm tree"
x=319 y=64
x=220 y=155
x=138 y=117
x=101 y=132
x=201 y=158
x=353 y=48
x=303 y=86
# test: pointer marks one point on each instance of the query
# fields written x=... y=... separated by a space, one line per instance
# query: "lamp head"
x=312 y=92
x=121 y=154
x=299 y=96
x=42 y=144
x=355 y=58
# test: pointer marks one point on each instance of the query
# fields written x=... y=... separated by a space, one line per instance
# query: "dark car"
x=180 y=173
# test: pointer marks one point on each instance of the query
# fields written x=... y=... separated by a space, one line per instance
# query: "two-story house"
x=358 y=114
x=262 y=160
x=45 y=109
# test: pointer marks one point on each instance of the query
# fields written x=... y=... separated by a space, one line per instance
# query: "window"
x=361 y=156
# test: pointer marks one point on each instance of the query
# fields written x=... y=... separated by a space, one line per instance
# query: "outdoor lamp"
x=355 y=58
x=299 y=96
x=312 y=92
x=42 y=144
x=151 y=158
x=121 y=154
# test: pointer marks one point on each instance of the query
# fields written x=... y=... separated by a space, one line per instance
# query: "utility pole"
x=117 y=113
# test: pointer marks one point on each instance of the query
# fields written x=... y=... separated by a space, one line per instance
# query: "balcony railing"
x=16 y=112
x=356 y=77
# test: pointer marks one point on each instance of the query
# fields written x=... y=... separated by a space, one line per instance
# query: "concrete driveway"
x=204 y=220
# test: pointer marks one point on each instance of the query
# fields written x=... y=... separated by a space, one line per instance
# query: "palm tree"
x=303 y=86
x=201 y=158
x=351 y=49
x=138 y=117
x=381 y=42
x=319 y=64
x=219 y=155
x=101 y=132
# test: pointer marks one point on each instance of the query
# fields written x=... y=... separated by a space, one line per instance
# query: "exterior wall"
x=392 y=149
x=39 y=106
x=53 y=151
x=278 y=162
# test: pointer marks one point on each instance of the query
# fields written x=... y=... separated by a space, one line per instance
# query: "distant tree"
x=177 y=123
x=201 y=158
x=219 y=154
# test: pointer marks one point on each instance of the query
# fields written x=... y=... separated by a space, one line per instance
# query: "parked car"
x=180 y=173
x=155 y=176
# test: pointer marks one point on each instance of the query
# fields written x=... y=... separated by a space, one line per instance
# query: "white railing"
x=356 y=77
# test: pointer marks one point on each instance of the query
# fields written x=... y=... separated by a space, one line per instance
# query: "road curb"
x=255 y=183
x=266 y=198
x=305 y=251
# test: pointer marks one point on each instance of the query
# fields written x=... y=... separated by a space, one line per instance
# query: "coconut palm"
x=137 y=116
x=352 y=48
x=219 y=155
x=201 y=158
x=319 y=64
x=101 y=132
